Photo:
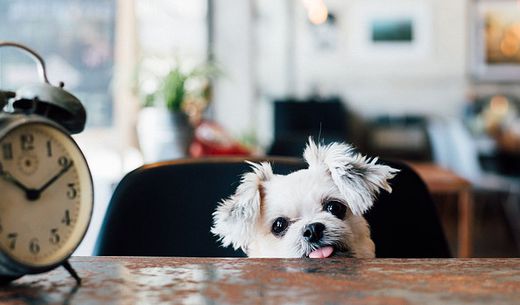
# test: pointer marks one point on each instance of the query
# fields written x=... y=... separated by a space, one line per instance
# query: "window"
x=76 y=40
x=86 y=47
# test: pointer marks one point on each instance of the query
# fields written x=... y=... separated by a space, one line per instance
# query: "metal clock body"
x=46 y=189
x=46 y=195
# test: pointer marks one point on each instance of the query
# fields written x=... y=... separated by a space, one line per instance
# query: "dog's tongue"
x=321 y=252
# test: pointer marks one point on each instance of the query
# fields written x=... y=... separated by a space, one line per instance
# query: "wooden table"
x=124 y=280
x=443 y=181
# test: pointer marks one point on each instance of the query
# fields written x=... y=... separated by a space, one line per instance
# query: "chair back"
x=165 y=209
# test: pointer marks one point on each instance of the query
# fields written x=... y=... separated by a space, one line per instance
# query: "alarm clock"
x=46 y=187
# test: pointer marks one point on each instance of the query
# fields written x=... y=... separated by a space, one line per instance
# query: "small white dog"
x=314 y=212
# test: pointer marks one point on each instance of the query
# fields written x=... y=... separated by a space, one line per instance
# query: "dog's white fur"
x=335 y=172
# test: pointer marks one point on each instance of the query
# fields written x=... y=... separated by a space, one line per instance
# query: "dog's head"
x=310 y=212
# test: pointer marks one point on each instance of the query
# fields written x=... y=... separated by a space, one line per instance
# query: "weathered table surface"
x=146 y=280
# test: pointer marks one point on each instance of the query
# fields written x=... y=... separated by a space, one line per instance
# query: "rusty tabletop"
x=148 y=280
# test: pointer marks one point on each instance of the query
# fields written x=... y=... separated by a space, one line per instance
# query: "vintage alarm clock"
x=46 y=191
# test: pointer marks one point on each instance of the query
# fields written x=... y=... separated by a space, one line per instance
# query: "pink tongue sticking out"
x=321 y=252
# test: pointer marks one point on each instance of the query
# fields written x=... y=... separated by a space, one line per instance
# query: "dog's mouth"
x=323 y=252
x=328 y=251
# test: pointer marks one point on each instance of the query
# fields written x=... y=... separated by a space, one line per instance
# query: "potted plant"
x=165 y=127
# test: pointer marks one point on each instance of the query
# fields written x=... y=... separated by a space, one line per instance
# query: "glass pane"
x=76 y=39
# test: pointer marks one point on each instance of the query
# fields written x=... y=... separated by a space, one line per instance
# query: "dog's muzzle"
x=313 y=232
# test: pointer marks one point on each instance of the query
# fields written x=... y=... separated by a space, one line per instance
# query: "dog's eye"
x=279 y=225
x=335 y=208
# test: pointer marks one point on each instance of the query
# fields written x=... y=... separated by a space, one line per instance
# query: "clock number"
x=66 y=218
x=49 y=148
x=27 y=141
x=7 y=150
x=63 y=161
x=12 y=240
x=34 y=246
x=72 y=192
x=55 y=237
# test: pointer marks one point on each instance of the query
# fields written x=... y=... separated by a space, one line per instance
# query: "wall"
x=233 y=46
x=429 y=79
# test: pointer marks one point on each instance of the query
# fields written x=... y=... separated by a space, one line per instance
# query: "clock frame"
x=11 y=265
x=62 y=114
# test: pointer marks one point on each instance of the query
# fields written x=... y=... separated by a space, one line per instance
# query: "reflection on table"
x=125 y=280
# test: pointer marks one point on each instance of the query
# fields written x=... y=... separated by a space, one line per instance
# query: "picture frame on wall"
x=495 y=40
x=391 y=33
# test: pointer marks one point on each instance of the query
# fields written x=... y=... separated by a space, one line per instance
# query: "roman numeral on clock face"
x=27 y=141
x=7 y=151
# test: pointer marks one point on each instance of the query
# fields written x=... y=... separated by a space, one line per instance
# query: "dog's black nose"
x=313 y=232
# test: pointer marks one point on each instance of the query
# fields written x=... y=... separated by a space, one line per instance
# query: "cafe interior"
x=179 y=94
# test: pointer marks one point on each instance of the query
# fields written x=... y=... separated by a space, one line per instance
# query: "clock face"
x=46 y=195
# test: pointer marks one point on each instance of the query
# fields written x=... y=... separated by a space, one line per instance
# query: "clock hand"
x=53 y=179
x=9 y=178
x=30 y=194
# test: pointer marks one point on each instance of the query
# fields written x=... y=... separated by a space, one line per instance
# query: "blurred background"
x=430 y=81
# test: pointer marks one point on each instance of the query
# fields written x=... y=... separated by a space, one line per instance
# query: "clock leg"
x=72 y=272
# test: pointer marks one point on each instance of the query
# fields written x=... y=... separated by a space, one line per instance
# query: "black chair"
x=165 y=209
x=405 y=223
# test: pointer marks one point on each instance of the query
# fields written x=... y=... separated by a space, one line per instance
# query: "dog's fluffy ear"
x=235 y=217
x=358 y=178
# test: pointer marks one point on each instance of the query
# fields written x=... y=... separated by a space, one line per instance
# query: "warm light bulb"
x=318 y=13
